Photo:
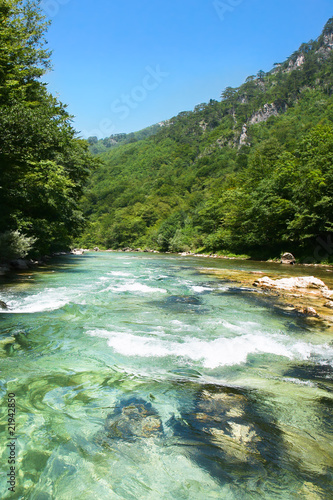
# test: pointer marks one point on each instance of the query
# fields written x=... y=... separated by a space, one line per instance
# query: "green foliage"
x=43 y=165
x=23 y=58
x=115 y=140
x=193 y=184
x=14 y=245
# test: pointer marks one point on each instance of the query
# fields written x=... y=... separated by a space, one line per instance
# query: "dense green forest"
x=44 y=166
x=251 y=174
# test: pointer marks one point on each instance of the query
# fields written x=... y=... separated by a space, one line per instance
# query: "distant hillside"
x=250 y=174
x=102 y=145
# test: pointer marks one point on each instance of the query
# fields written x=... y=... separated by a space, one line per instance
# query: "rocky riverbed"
x=307 y=296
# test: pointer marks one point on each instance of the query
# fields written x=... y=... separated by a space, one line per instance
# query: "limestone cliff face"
x=322 y=47
x=264 y=113
x=243 y=138
x=296 y=64
x=327 y=46
x=328 y=40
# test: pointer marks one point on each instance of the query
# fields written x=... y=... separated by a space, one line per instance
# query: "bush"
x=179 y=242
x=14 y=245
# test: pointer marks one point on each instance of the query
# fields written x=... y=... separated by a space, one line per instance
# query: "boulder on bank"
x=288 y=258
x=20 y=264
x=77 y=251
x=4 y=269
x=290 y=284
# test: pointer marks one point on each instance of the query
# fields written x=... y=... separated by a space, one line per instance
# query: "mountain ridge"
x=201 y=153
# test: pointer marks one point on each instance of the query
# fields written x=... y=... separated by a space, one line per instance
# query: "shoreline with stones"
x=304 y=296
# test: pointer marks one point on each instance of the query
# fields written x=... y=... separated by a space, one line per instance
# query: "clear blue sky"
x=124 y=65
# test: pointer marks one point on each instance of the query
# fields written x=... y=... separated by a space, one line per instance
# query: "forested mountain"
x=250 y=174
x=43 y=165
x=101 y=146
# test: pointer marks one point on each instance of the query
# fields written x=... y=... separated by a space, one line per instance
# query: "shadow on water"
x=320 y=374
x=326 y=411
x=311 y=372
x=268 y=301
x=181 y=304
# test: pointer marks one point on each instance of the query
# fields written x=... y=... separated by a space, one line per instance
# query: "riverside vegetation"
x=43 y=164
x=251 y=174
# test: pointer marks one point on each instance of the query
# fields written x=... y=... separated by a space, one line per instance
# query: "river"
x=138 y=376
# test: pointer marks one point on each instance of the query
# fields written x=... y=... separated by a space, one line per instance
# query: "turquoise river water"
x=136 y=376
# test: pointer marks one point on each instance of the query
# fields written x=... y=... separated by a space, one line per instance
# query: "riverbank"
x=23 y=264
x=285 y=259
x=308 y=297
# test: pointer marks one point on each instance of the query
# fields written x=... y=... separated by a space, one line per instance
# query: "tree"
x=261 y=74
x=23 y=58
x=43 y=164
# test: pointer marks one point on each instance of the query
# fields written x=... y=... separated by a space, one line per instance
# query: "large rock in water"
x=223 y=430
x=134 y=418
x=3 y=305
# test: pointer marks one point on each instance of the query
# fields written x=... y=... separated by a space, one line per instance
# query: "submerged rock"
x=182 y=304
x=3 y=305
x=133 y=418
x=184 y=299
x=225 y=429
x=307 y=311
x=310 y=371
x=223 y=417
x=311 y=491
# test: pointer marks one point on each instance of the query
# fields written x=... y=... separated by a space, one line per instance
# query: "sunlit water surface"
x=138 y=377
